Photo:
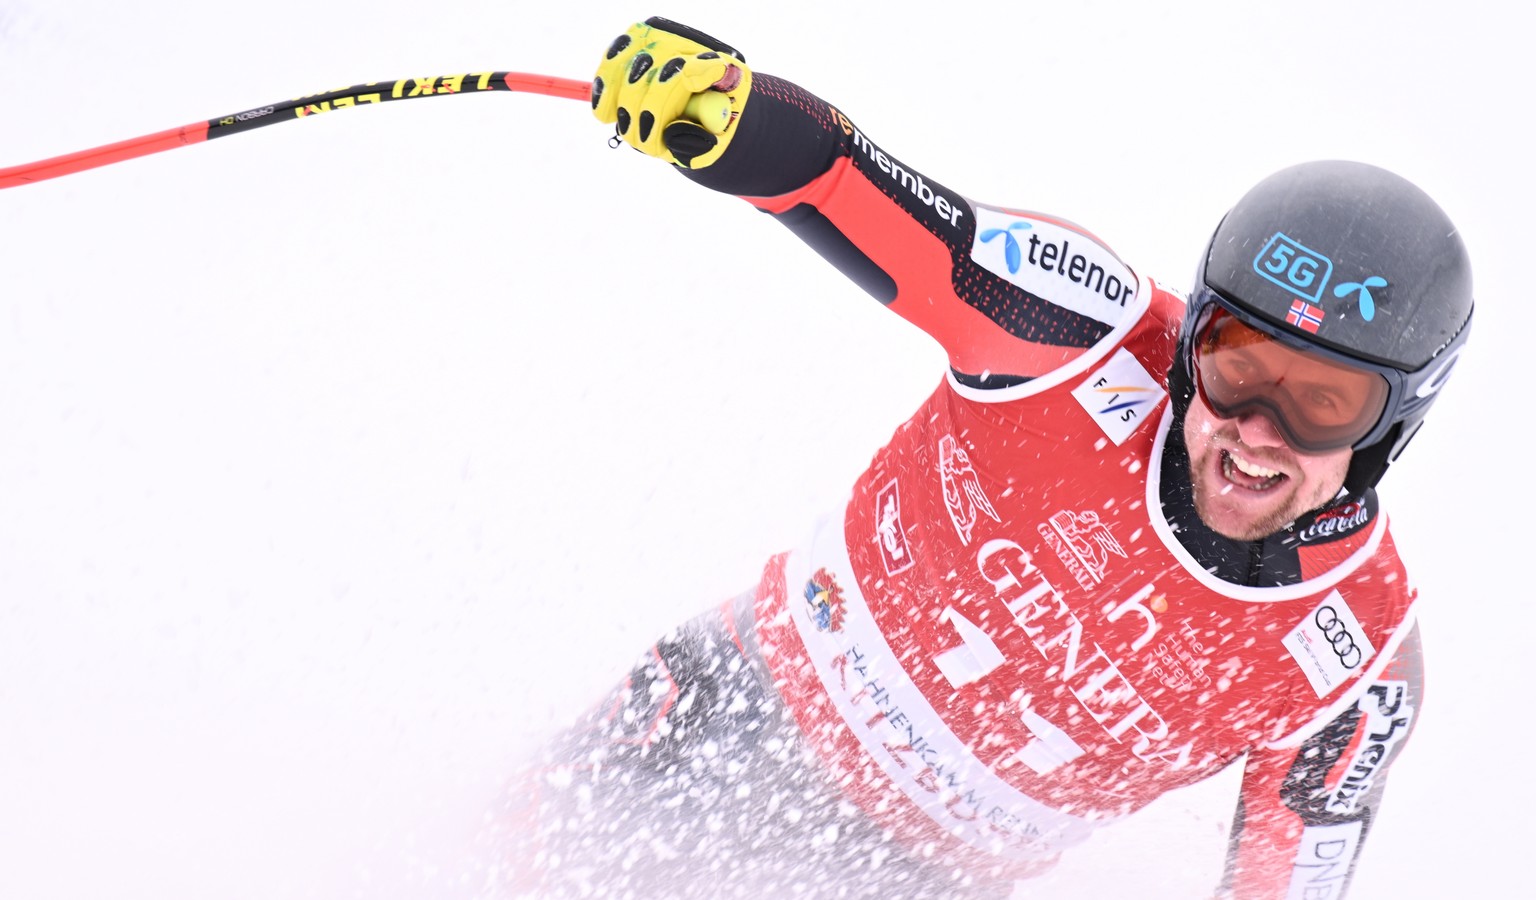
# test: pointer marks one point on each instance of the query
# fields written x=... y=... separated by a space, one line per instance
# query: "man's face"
x=1248 y=482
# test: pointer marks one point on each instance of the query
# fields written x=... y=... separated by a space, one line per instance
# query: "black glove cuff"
x=780 y=144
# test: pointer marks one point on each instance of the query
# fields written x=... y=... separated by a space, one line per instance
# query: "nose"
x=1256 y=430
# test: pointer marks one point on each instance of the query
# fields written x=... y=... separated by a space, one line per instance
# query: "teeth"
x=1253 y=470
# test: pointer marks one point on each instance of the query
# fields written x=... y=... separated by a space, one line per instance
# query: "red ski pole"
x=301 y=107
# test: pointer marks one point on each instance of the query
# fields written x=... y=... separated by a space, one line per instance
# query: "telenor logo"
x=1012 y=255
x=1055 y=262
x=1367 y=302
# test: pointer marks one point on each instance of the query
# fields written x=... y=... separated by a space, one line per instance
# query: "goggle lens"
x=1317 y=404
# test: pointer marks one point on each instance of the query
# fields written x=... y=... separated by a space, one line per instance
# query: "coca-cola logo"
x=1336 y=522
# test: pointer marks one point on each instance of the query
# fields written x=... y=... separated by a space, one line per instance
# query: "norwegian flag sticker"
x=1305 y=316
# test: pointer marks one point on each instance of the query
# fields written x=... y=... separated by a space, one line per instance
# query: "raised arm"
x=1009 y=295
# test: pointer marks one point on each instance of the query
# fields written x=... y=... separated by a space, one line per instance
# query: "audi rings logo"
x=1339 y=637
x=1329 y=644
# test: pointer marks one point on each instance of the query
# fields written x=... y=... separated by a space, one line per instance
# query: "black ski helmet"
x=1350 y=262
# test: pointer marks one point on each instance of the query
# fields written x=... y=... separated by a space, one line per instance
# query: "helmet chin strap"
x=1370 y=463
x=1181 y=390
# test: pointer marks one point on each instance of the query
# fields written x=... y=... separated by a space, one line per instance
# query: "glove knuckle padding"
x=670 y=68
x=639 y=66
x=643 y=86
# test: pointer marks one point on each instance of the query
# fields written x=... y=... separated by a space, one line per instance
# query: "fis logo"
x=1120 y=395
x=1305 y=272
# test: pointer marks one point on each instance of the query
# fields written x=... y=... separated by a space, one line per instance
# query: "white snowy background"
x=341 y=460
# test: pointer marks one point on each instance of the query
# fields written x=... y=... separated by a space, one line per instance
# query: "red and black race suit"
x=1013 y=631
x=1017 y=631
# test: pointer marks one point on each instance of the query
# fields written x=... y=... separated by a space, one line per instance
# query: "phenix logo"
x=962 y=488
x=825 y=600
x=1388 y=718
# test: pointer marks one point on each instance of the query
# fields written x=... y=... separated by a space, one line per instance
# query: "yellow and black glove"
x=672 y=92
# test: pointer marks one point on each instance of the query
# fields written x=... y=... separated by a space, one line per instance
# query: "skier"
x=1128 y=541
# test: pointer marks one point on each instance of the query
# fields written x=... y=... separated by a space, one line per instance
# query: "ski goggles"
x=1317 y=400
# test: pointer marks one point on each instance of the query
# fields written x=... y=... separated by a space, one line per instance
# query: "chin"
x=1237 y=512
x=1238 y=521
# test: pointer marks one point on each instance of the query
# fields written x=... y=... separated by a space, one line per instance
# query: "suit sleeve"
x=907 y=240
x=1304 y=814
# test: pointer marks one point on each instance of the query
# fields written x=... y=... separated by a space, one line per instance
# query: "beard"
x=1243 y=506
x=1212 y=508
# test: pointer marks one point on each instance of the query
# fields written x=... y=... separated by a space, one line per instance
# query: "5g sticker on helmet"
x=1299 y=269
